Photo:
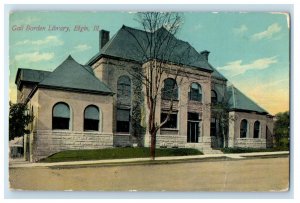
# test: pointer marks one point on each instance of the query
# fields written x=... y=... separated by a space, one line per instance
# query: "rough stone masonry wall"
x=48 y=142
x=250 y=142
x=125 y=140
x=170 y=139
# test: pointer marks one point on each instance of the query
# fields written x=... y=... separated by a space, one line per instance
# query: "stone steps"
x=211 y=151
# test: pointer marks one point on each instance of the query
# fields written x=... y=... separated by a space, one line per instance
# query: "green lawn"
x=247 y=150
x=117 y=153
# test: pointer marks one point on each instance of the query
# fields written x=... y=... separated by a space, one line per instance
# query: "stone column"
x=206 y=115
x=231 y=130
x=183 y=109
x=250 y=128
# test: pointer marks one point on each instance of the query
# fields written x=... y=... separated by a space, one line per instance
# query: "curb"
x=137 y=160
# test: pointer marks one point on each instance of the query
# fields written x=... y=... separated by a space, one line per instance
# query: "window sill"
x=122 y=134
x=250 y=138
x=167 y=99
x=195 y=101
x=169 y=129
x=61 y=130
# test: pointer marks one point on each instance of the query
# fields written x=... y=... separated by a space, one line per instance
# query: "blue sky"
x=250 y=49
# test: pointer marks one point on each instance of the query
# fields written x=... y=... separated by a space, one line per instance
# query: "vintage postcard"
x=149 y=101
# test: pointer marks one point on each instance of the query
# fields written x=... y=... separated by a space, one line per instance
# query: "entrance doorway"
x=193 y=127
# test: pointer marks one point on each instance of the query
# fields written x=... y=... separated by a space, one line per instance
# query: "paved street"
x=251 y=174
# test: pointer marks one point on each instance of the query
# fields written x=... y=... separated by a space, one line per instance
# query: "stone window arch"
x=244 y=128
x=61 y=116
x=195 y=93
x=256 y=130
x=91 y=118
x=170 y=89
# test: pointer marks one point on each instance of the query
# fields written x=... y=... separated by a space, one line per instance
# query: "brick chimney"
x=205 y=54
x=103 y=38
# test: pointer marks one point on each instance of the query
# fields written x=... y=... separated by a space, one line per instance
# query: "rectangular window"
x=59 y=123
x=91 y=124
x=172 y=122
x=123 y=120
x=213 y=127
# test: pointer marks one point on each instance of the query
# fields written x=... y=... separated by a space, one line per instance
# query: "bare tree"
x=157 y=48
x=220 y=111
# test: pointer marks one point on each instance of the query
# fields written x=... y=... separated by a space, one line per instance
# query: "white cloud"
x=34 y=57
x=235 y=68
x=198 y=27
x=240 y=30
x=271 y=30
x=28 y=20
x=53 y=40
x=82 y=47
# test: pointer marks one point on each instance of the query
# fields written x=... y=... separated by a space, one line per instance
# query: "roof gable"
x=239 y=101
x=71 y=75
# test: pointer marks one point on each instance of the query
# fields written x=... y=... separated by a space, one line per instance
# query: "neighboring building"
x=100 y=104
x=16 y=147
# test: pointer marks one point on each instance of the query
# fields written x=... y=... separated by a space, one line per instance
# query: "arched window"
x=61 y=116
x=243 y=128
x=170 y=89
x=214 y=97
x=256 y=129
x=195 y=92
x=91 y=118
x=124 y=86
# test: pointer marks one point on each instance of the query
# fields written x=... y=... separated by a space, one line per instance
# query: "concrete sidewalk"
x=23 y=164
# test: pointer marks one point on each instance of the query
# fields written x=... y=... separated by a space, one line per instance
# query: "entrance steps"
x=211 y=151
x=205 y=148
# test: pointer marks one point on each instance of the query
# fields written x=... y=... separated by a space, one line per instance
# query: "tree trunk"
x=153 y=144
